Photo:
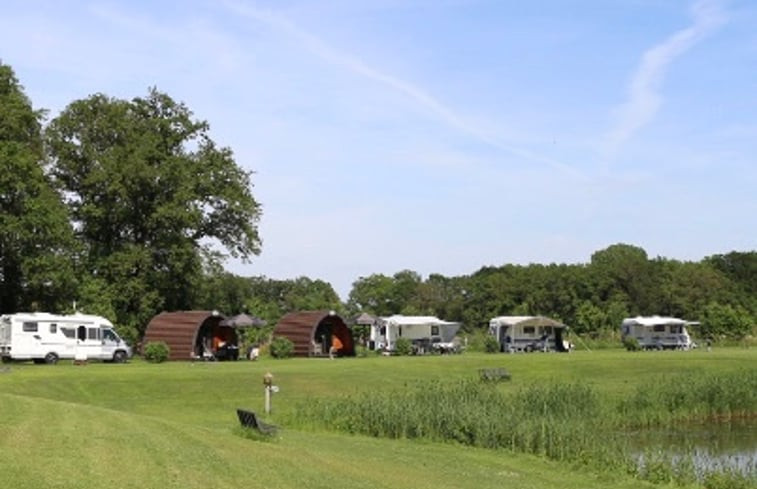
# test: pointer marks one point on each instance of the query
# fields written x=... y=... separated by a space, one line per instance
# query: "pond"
x=714 y=445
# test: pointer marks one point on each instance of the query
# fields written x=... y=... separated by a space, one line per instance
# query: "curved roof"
x=300 y=328
x=525 y=321
x=179 y=330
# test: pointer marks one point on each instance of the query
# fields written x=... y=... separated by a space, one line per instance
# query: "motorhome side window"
x=68 y=332
x=53 y=328
x=676 y=329
x=93 y=333
x=109 y=335
x=529 y=330
x=30 y=327
x=659 y=328
x=435 y=330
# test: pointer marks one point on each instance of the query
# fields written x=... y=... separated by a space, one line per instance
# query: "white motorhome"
x=528 y=333
x=657 y=332
x=46 y=338
x=426 y=333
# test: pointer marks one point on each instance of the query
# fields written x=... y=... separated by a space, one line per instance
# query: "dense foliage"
x=148 y=193
x=37 y=249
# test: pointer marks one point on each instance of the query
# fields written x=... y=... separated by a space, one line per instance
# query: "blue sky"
x=439 y=136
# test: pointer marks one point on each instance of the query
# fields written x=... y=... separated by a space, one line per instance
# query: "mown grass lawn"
x=174 y=424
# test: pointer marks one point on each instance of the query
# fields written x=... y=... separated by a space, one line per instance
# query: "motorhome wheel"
x=119 y=356
x=51 y=358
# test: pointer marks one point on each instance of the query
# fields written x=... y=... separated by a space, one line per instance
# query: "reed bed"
x=565 y=422
x=689 y=397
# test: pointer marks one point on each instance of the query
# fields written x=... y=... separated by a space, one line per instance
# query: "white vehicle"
x=47 y=338
x=427 y=333
x=528 y=333
x=658 y=333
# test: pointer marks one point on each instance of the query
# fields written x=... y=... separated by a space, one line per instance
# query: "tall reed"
x=566 y=422
x=697 y=396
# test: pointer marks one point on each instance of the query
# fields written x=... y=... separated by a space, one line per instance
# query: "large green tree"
x=36 y=240
x=150 y=195
x=741 y=267
x=383 y=296
x=623 y=273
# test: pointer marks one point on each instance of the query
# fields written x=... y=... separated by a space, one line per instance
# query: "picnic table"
x=494 y=374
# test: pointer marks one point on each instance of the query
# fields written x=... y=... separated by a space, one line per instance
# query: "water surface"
x=711 y=445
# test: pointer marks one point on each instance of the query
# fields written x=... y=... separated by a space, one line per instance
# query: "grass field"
x=174 y=424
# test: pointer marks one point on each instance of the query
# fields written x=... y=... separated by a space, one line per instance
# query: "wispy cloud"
x=440 y=110
x=644 y=97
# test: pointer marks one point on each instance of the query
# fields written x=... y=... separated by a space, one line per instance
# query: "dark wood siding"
x=179 y=331
x=300 y=329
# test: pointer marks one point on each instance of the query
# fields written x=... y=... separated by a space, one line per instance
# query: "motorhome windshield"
x=110 y=335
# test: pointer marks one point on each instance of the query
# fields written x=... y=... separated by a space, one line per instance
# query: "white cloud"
x=644 y=97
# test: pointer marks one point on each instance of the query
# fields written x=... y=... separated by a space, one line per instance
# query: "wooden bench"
x=494 y=374
x=249 y=419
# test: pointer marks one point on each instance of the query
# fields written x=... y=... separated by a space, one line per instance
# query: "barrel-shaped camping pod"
x=193 y=335
x=313 y=333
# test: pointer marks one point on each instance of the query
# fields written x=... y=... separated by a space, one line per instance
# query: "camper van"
x=426 y=333
x=528 y=333
x=47 y=338
x=658 y=333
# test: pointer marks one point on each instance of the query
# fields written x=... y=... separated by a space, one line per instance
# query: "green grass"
x=174 y=425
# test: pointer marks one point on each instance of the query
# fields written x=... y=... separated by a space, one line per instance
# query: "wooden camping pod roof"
x=178 y=330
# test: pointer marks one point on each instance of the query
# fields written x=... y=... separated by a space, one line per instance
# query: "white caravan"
x=528 y=333
x=425 y=332
x=656 y=332
x=46 y=338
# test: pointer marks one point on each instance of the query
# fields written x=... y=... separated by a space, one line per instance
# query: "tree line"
x=619 y=281
x=127 y=208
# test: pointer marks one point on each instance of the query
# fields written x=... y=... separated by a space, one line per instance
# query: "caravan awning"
x=526 y=321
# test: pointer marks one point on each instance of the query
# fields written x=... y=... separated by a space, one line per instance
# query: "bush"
x=631 y=343
x=491 y=345
x=281 y=347
x=258 y=336
x=403 y=346
x=156 y=352
x=361 y=351
x=476 y=341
